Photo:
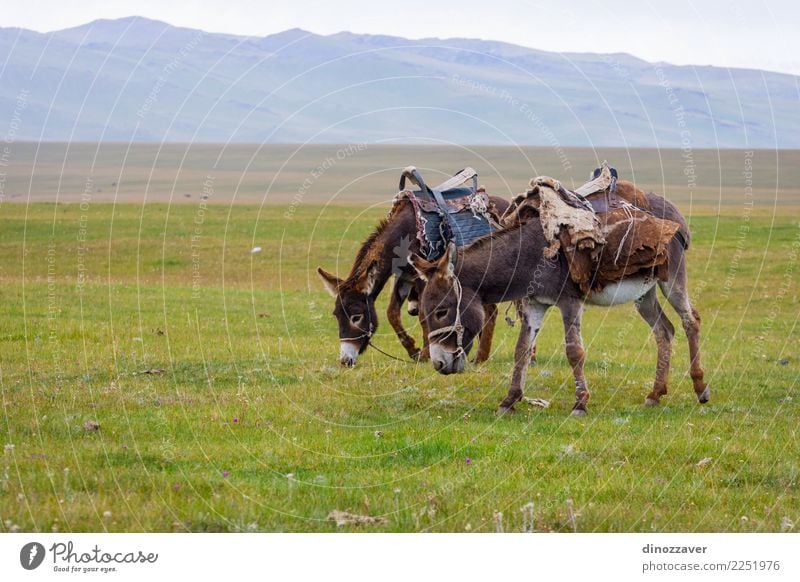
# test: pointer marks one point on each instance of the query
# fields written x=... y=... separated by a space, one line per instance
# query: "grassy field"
x=246 y=422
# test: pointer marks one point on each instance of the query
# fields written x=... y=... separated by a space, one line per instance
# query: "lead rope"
x=409 y=361
x=456 y=327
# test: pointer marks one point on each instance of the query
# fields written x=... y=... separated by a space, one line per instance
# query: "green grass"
x=252 y=392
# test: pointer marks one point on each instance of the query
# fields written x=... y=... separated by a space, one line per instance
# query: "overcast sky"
x=737 y=33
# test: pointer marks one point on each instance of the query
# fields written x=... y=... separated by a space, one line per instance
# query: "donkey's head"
x=454 y=314
x=354 y=311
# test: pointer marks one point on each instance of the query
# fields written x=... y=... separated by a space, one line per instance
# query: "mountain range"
x=135 y=79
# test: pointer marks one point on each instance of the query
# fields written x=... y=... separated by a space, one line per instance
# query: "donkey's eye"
x=356 y=319
x=440 y=313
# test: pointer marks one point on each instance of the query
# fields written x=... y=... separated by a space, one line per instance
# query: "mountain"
x=144 y=80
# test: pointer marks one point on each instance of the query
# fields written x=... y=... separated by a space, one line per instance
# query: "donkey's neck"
x=387 y=247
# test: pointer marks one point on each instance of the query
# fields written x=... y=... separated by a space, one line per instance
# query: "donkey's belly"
x=621 y=292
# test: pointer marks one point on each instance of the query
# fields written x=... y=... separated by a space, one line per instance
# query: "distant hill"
x=144 y=80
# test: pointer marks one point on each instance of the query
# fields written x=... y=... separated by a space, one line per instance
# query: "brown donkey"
x=383 y=254
x=509 y=265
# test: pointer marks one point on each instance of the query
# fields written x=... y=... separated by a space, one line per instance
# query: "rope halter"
x=365 y=333
x=456 y=327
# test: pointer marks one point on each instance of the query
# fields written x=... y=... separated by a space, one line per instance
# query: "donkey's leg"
x=571 y=314
x=413 y=297
x=519 y=306
x=413 y=309
x=399 y=293
x=531 y=316
x=425 y=354
x=486 y=333
x=677 y=293
x=650 y=310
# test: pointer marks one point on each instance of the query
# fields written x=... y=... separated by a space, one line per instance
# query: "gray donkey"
x=509 y=265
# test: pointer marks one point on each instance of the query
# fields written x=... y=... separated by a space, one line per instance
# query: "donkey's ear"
x=330 y=281
x=367 y=282
x=448 y=260
x=423 y=268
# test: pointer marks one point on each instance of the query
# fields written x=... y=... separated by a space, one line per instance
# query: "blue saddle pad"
x=466 y=225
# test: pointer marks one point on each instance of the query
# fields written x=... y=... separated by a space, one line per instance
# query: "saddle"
x=605 y=228
x=452 y=211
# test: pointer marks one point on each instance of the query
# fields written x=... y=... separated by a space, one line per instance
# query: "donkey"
x=509 y=265
x=383 y=254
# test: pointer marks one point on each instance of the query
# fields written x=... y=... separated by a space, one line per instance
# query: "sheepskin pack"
x=600 y=247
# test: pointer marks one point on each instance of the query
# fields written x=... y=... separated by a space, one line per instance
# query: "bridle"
x=456 y=327
x=364 y=334
x=368 y=335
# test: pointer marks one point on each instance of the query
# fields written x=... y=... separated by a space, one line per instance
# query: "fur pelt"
x=636 y=241
x=600 y=248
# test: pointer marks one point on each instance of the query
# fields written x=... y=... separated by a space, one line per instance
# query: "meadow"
x=158 y=375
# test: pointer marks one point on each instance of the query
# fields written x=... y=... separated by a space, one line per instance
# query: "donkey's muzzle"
x=445 y=362
x=348 y=354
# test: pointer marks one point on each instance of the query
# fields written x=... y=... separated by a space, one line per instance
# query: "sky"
x=728 y=33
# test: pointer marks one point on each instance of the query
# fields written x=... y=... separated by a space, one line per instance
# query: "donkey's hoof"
x=705 y=395
x=650 y=402
x=578 y=412
x=504 y=410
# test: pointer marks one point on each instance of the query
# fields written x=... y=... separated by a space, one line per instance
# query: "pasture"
x=156 y=375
